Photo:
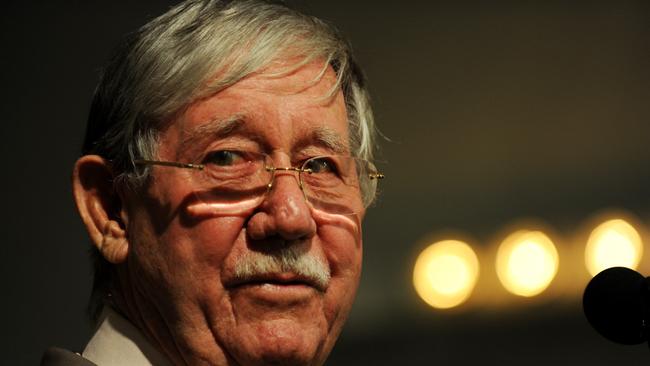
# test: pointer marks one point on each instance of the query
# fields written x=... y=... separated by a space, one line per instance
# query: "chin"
x=284 y=342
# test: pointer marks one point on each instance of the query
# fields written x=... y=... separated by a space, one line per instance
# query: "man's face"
x=180 y=274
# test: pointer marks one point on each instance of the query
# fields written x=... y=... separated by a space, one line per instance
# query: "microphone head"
x=616 y=305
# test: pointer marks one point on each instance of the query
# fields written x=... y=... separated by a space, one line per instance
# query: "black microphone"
x=616 y=305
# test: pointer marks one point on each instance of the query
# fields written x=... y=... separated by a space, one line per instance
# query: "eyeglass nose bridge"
x=272 y=170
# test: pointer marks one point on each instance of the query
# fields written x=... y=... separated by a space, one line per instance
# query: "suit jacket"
x=59 y=357
x=116 y=342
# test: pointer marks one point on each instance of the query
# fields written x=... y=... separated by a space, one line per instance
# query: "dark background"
x=496 y=112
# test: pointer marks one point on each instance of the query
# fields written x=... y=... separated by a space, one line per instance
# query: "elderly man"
x=224 y=177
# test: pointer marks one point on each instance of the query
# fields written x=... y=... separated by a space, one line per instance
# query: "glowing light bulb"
x=527 y=262
x=445 y=273
x=614 y=243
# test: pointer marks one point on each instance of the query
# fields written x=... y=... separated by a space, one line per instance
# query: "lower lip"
x=276 y=293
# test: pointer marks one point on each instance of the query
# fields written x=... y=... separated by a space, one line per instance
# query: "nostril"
x=260 y=226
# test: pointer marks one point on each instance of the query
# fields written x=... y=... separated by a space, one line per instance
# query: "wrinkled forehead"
x=280 y=105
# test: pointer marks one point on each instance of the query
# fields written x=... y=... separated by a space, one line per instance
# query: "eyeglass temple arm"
x=169 y=163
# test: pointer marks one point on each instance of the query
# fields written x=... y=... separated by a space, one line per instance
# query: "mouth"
x=275 y=290
x=277 y=281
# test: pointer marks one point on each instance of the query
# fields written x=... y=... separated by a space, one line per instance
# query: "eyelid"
x=244 y=151
x=304 y=155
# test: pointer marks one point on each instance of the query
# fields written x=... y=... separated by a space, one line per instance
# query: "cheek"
x=211 y=241
x=341 y=243
x=343 y=250
x=182 y=258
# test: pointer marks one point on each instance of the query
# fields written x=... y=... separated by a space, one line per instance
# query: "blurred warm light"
x=527 y=262
x=614 y=243
x=445 y=273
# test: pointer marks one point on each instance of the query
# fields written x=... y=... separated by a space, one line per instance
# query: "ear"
x=100 y=207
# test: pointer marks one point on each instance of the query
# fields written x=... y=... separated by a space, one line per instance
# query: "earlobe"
x=99 y=207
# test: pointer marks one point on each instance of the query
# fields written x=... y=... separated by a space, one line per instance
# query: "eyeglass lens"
x=234 y=182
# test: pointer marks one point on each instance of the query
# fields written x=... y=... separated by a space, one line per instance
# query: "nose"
x=284 y=213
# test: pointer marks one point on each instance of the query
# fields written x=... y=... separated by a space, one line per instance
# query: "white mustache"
x=286 y=260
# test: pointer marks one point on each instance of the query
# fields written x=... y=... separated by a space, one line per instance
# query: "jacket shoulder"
x=54 y=356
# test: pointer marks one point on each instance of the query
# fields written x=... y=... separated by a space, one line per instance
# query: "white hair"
x=291 y=259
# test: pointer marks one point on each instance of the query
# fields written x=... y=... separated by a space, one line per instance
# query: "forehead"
x=280 y=110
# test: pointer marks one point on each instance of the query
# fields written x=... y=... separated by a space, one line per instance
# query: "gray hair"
x=288 y=259
x=173 y=60
x=196 y=49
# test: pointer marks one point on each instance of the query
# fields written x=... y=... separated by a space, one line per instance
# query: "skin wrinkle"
x=178 y=259
x=188 y=357
x=214 y=328
x=165 y=323
x=334 y=270
x=237 y=321
x=331 y=139
x=141 y=291
x=222 y=128
x=235 y=125
x=212 y=130
x=214 y=334
x=188 y=260
x=164 y=211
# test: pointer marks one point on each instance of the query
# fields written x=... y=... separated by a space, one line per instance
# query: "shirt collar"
x=117 y=342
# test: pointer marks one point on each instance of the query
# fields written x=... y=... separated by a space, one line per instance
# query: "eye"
x=321 y=165
x=225 y=158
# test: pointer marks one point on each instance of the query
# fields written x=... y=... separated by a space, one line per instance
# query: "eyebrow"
x=218 y=127
x=223 y=127
x=330 y=139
